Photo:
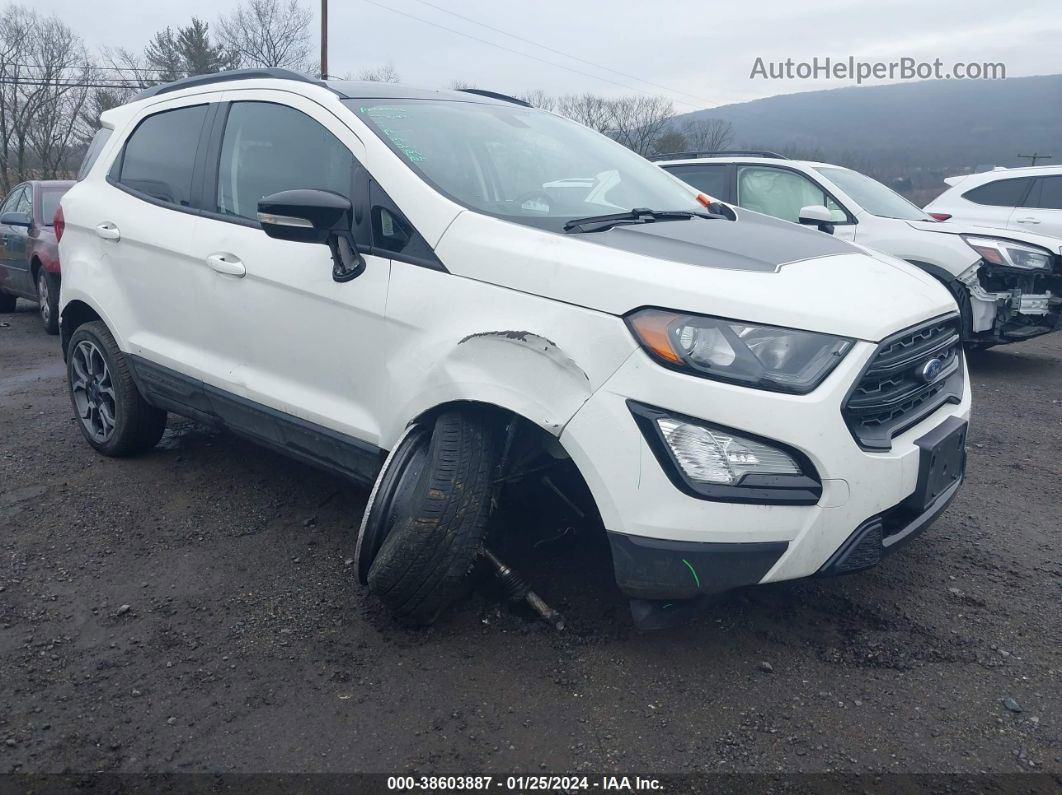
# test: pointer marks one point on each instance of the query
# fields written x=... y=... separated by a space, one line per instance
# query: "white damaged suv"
x=404 y=287
x=1007 y=282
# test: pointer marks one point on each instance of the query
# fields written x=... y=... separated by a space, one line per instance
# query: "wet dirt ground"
x=193 y=609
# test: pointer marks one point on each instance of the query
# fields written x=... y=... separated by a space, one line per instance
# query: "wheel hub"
x=92 y=391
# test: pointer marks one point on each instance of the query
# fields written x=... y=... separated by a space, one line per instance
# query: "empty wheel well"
x=531 y=454
x=74 y=314
x=35 y=267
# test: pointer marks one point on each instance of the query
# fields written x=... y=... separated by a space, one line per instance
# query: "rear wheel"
x=48 y=300
x=112 y=415
x=7 y=302
x=424 y=528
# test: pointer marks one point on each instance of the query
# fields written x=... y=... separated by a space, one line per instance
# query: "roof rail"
x=272 y=73
x=721 y=153
x=495 y=95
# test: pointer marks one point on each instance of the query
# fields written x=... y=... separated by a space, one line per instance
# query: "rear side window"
x=1047 y=195
x=94 y=148
x=269 y=148
x=159 y=156
x=49 y=204
x=711 y=180
x=1001 y=193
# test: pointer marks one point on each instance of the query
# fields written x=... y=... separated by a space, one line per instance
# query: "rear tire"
x=437 y=528
x=48 y=300
x=7 y=302
x=112 y=415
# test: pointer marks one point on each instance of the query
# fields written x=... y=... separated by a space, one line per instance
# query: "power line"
x=90 y=67
x=509 y=49
x=561 y=52
x=65 y=84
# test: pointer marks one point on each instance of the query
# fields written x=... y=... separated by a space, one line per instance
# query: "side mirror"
x=314 y=216
x=817 y=215
x=16 y=219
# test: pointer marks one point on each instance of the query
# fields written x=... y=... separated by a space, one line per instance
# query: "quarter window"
x=1000 y=193
x=1047 y=195
x=269 y=148
x=99 y=140
x=159 y=156
x=25 y=202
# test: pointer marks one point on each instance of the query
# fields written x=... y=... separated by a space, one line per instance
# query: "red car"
x=29 y=253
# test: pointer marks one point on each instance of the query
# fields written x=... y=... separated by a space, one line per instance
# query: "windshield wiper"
x=639 y=215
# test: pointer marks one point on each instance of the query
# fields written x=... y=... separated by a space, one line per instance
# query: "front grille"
x=892 y=394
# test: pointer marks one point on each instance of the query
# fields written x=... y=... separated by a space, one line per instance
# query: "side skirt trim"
x=293 y=436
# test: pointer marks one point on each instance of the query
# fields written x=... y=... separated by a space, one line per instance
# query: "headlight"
x=765 y=357
x=1009 y=254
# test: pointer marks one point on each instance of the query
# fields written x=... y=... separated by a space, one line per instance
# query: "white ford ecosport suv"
x=402 y=286
x=1008 y=283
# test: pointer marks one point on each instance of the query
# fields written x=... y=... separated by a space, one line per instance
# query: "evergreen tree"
x=186 y=51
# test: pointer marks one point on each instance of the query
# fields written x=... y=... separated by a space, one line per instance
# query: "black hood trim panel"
x=754 y=242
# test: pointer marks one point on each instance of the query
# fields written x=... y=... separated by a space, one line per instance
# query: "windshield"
x=520 y=164
x=49 y=204
x=872 y=196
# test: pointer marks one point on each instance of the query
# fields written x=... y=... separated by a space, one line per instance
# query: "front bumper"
x=658 y=533
x=666 y=570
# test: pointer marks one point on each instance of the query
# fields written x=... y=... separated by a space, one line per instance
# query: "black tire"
x=136 y=426
x=7 y=302
x=48 y=300
x=436 y=535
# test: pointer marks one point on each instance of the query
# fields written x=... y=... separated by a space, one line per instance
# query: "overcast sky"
x=700 y=54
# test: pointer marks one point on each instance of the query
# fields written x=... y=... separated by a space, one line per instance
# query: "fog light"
x=711 y=456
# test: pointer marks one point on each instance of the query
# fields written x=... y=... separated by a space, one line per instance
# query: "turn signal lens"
x=651 y=328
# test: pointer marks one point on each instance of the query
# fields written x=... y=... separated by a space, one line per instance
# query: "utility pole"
x=1036 y=156
x=324 y=39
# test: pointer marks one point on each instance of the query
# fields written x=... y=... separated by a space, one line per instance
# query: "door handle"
x=1028 y=220
x=227 y=264
x=108 y=231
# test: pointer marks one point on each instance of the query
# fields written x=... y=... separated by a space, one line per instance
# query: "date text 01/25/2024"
x=523 y=783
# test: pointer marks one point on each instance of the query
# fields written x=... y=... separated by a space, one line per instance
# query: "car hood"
x=953 y=227
x=757 y=269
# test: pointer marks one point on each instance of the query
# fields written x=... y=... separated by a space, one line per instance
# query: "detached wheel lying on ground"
x=112 y=415
x=426 y=520
x=48 y=300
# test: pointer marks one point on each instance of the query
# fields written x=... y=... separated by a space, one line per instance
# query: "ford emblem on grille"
x=931 y=369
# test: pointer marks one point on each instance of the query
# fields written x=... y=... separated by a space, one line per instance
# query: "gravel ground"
x=194 y=610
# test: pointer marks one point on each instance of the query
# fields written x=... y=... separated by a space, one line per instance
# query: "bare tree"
x=268 y=33
x=639 y=121
x=60 y=64
x=707 y=135
x=589 y=110
x=460 y=85
x=16 y=30
x=670 y=141
x=43 y=67
x=379 y=74
x=539 y=99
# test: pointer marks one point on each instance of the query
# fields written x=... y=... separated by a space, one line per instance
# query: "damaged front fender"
x=539 y=359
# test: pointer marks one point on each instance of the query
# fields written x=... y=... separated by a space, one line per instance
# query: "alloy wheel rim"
x=42 y=297
x=93 y=391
